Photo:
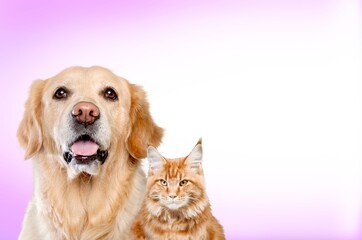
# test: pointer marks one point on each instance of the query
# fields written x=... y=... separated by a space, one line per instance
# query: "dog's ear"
x=144 y=131
x=29 y=132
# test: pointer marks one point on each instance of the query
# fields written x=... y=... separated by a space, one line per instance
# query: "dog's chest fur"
x=82 y=210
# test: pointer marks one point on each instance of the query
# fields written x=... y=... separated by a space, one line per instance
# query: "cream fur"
x=93 y=201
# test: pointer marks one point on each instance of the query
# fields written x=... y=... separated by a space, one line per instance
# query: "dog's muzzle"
x=85 y=149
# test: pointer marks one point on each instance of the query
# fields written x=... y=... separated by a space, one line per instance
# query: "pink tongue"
x=84 y=148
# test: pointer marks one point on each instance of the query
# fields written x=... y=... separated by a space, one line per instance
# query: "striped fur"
x=190 y=217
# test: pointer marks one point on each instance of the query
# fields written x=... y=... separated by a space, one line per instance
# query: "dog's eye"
x=110 y=94
x=183 y=182
x=60 y=93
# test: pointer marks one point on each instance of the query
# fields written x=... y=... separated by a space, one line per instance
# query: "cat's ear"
x=194 y=159
x=155 y=159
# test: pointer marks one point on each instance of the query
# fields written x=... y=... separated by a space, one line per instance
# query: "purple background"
x=182 y=41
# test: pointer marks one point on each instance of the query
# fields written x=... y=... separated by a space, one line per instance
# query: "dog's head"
x=84 y=115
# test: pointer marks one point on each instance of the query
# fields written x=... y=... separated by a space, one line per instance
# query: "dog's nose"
x=85 y=113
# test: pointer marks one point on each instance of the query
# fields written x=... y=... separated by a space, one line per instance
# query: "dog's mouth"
x=85 y=150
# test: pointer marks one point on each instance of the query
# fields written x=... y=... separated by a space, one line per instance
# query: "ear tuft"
x=30 y=132
x=155 y=159
x=144 y=131
x=194 y=159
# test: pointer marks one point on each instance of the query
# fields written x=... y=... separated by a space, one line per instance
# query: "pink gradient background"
x=174 y=40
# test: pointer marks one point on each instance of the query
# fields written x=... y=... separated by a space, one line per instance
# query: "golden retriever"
x=86 y=130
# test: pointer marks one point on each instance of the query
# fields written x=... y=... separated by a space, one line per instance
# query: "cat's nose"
x=172 y=196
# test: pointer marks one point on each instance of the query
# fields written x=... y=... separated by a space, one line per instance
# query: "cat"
x=176 y=205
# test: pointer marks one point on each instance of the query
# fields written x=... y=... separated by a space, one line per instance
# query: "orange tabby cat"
x=176 y=205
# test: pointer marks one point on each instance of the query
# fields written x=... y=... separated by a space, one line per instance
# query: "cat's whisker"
x=154 y=196
x=177 y=200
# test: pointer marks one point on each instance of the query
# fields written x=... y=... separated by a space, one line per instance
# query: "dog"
x=86 y=130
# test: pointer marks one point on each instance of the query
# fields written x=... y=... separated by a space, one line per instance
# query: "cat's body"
x=176 y=206
x=203 y=227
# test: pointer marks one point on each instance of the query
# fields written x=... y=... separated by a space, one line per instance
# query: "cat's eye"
x=110 y=94
x=163 y=182
x=183 y=182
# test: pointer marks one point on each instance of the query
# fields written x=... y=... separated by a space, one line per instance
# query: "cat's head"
x=176 y=183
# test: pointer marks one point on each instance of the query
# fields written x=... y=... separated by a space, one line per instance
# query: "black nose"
x=85 y=113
